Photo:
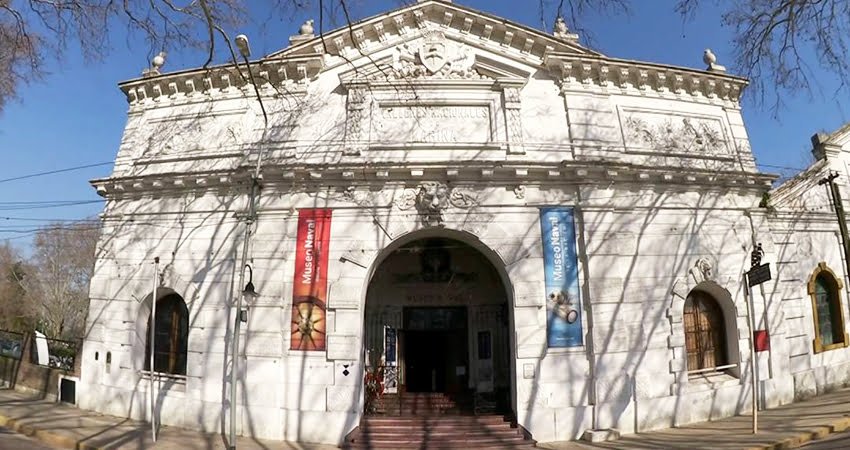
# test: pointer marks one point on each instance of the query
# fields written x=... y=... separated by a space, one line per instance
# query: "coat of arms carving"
x=434 y=56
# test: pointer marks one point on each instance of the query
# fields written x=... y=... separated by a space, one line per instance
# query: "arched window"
x=824 y=288
x=705 y=333
x=171 y=336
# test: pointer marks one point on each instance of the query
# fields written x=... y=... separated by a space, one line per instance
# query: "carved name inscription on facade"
x=439 y=124
x=685 y=135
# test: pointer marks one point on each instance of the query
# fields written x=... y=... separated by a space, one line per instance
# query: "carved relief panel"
x=177 y=135
x=678 y=139
x=675 y=133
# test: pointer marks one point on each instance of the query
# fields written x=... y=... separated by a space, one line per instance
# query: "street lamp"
x=251 y=217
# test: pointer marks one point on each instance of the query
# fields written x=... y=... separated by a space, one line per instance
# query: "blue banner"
x=560 y=262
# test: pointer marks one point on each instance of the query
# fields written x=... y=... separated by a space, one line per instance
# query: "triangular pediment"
x=456 y=22
x=431 y=55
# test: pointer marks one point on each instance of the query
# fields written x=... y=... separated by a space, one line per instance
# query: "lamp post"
x=250 y=218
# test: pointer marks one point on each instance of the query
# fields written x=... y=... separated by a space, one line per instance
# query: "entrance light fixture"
x=249 y=291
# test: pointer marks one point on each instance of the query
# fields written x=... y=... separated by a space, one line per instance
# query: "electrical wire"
x=51 y=172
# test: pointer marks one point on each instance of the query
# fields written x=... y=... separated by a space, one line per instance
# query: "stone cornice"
x=275 y=77
x=499 y=172
x=380 y=29
x=611 y=75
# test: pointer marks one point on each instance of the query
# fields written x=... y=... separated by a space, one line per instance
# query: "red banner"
x=310 y=285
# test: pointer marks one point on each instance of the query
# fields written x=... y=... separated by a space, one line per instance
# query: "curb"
x=48 y=437
x=812 y=434
x=58 y=440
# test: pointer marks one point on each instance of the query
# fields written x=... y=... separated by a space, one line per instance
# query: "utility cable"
x=51 y=172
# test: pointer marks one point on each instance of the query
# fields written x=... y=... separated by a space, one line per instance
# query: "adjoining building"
x=451 y=204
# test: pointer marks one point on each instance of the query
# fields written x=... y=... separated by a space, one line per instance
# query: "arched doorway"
x=437 y=321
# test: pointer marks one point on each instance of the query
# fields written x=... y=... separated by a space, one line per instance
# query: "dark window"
x=171 y=336
x=705 y=332
x=828 y=318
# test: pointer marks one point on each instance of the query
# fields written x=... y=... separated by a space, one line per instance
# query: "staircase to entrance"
x=433 y=420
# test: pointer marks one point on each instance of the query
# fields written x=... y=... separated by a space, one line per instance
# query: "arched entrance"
x=437 y=321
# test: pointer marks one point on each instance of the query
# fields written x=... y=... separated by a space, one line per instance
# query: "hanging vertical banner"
x=310 y=285
x=560 y=262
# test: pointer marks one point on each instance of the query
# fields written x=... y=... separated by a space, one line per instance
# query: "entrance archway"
x=437 y=322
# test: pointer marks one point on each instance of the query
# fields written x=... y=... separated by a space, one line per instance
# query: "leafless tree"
x=17 y=312
x=33 y=32
x=778 y=44
x=62 y=265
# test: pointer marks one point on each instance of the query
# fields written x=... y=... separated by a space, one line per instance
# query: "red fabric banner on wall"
x=310 y=285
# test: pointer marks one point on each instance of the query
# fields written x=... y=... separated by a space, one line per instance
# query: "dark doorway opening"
x=436 y=357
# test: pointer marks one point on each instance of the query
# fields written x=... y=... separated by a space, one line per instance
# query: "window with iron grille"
x=705 y=332
x=171 y=336
x=824 y=288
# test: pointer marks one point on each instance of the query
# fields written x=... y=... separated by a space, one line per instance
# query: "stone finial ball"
x=158 y=60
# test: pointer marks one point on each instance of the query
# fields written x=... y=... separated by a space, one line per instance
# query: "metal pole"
x=750 y=314
x=153 y=344
x=252 y=215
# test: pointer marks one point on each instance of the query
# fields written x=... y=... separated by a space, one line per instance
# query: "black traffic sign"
x=758 y=274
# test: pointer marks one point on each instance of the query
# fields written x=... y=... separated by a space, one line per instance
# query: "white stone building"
x=426 y=153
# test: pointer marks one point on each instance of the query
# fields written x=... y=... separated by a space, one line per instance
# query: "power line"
x=772 y=166
x=51 y=172
x=27 y=206
x=32 y=219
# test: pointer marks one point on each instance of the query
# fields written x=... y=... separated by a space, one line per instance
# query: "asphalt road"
x=9 y=440
x=837 y=441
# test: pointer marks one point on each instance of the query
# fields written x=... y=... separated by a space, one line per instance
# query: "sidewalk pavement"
x=64 y=426
x=788 y=426
x=67 y=427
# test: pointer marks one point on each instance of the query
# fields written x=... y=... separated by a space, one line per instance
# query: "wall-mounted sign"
x=758 y=274
x=310 y=285
x=560 y=261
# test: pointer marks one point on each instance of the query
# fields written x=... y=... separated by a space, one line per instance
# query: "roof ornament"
x=709 y=58
x=156 y=63
x=562 y=32
x=305 y=33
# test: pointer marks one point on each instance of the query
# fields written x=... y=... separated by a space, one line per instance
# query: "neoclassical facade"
x=468 y=206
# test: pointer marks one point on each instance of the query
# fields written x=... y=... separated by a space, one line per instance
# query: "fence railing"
x=53 y=353
x=11 y=344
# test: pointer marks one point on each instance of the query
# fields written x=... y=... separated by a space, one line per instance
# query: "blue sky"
x=76 y=115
